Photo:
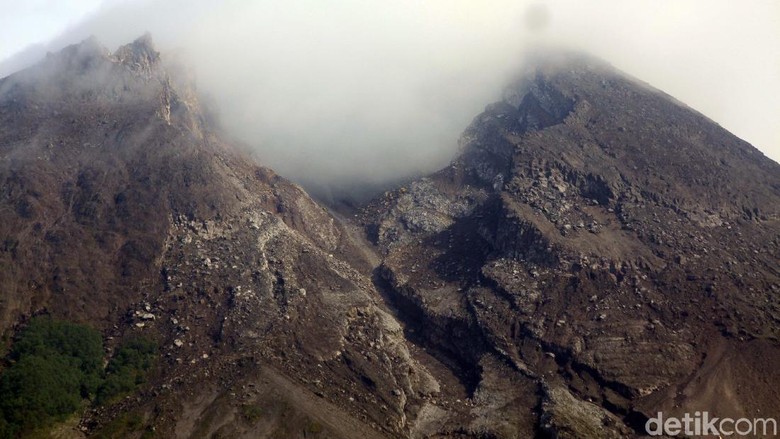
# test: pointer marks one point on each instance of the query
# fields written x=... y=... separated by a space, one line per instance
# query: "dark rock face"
x=122 y=208
x=606 y=242
x=597 y=253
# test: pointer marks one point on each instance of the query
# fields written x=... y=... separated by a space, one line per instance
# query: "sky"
x=29 y=22
x=351 y=92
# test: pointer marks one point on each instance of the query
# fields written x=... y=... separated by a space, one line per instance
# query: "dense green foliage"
x=56 y=366
x=127 y=369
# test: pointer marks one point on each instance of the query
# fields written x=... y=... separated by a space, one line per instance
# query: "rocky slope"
x=615 y=249
x=596 y=253
x=123 y=209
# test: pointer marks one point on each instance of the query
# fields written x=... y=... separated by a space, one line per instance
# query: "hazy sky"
x=27 y=22
x=361 y=91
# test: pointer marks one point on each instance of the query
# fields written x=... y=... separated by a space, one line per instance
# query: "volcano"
x=596 y=253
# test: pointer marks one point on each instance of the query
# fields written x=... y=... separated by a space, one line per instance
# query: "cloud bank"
x=349 y=94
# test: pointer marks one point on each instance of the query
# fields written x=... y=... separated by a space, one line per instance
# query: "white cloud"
x=360 y=90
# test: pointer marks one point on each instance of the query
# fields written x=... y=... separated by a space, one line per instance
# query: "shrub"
x=5 y=428
x=251 y=412
x=80 y=346
x=127 y=369
x=54 y=366
x=122 y=426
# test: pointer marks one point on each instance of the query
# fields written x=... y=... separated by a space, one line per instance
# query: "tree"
x=54 y=366
x=127 y=368
x=57 y=366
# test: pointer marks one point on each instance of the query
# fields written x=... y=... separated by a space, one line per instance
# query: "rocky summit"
x=597 y=252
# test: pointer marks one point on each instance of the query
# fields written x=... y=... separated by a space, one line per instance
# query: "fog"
x=349 y=95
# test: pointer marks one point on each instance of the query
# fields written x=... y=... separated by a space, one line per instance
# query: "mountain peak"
x=87 y=74
x=77 y=57
x=140 y=56
x=558 y=60
x=90 y=44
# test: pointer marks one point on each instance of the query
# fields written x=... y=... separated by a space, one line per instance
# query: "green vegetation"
x=312 y=428
x=120 y=427
x=251 y=412
x=127 y=369
x=56 y=367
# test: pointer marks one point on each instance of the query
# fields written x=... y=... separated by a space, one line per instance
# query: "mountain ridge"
x=595 y=253
x=594 y=226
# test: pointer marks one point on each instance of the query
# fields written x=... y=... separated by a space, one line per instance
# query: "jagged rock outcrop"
x=601 y=239
x=123 y=208
x=597 y=253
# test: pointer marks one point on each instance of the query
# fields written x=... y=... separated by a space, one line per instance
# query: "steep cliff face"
x=617 y=249
x=596 y=253
x=123 y=209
